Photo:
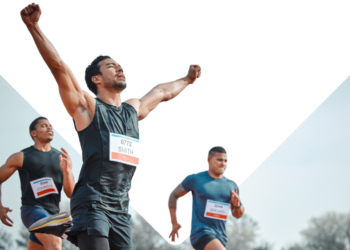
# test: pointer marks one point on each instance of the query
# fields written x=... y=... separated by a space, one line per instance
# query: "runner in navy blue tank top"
x=109 y=137
x=214 y=197
x=43 y=172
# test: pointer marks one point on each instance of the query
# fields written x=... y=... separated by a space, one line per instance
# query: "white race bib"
x=217 y=210
x=43 y=186
x=123 y=149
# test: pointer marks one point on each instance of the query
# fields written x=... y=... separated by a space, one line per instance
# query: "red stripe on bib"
x=50 y=190
x=220 y=216
x=126 y=158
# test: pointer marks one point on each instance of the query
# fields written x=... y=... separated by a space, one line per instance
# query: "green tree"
x=330 y=231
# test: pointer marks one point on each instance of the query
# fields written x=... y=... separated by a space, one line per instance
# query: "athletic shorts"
x=201 y=243
x=31 y=214
x=96 y=220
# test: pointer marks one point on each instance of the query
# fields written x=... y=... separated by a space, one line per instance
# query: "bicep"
x=71 y=94
x=14 y=162
x=179 y=191
x=150 y=101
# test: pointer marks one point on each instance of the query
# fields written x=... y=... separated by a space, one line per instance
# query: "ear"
x=33 y=133
x=96 y=79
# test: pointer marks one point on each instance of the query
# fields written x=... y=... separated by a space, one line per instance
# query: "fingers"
x=64 y=153
x=236 y=191
x=8 y=218
x=4 y=220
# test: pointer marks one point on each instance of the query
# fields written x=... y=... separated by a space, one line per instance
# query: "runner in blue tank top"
x=109 y=136
x=214 y=197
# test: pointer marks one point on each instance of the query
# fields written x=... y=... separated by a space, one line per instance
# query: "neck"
x=215 y=176
x=111 y=98
x=45 y=147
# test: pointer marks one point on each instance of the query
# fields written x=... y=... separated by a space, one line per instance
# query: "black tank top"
x=101 y=180
x=41 y=165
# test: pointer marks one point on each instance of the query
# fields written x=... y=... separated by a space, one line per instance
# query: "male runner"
x=109 y=137
x=213 y=199
x=42 y=170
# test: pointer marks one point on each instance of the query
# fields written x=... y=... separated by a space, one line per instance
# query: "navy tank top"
x=103 y=181
x=41 y=169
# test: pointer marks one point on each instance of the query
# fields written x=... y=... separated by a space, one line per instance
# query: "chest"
x=216 y=191
x=119 y=121
x=41 y=165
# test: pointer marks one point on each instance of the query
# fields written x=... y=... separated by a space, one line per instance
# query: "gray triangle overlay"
x=306 y=176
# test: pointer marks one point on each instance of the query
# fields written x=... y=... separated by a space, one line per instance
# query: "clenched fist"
x=31 y=14
x=193 y=73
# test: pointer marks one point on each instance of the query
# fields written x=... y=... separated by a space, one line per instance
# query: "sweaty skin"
x=42 y=137
x=217 y=166
x=79 y=104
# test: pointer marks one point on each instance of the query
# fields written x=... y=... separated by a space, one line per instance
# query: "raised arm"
x=68 y=177
x=164 y=92
x=178 y=192
x=74 y=99
x=13 y=163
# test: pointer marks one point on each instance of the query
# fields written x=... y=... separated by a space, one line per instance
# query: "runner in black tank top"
x=43 y=171
x=100 y=200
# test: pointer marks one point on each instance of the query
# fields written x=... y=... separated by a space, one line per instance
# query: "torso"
x=41 y=178
x=101 y=180
x=205 y=188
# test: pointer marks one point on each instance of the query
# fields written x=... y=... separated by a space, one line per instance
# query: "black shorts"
x=96 y=220
x=203 y=241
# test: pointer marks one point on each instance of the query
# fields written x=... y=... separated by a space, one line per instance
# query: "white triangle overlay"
x=265 y=68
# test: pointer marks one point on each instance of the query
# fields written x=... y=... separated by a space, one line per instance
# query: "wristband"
x=240 y=204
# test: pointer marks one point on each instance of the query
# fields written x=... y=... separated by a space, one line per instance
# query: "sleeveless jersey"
x=41 y=168
x=103 y=181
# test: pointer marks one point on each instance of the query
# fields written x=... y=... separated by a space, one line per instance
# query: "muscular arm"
x=164 y=92
x=178 y=192
x=13 y=163
x=74 y=99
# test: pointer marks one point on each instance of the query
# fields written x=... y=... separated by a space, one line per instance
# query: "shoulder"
x=15 y=160
x=132 y=106
x=56 y=151
x=132 y=103
x=231 y=183
x=27 y=150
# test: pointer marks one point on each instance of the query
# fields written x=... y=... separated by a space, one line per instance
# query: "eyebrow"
x=113 y=64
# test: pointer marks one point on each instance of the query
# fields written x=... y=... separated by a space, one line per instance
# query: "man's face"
x=218 y=163
x=112 y=74
x=43 y=131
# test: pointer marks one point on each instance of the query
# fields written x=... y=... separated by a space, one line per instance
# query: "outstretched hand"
x=4 y=217
x=31 y=14
x=235 y=200
x=65 y=161
x=176 y=227
x=193 y=73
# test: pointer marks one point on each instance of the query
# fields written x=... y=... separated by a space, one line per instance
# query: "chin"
x=49 y=139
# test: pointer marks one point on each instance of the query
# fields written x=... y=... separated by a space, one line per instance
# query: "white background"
x=266 y=65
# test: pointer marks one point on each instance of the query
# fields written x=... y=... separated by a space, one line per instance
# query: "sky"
x=266 y=66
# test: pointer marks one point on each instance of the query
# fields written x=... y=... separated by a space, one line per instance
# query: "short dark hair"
x=216 y=150
x=92 y=70
x=34 y=123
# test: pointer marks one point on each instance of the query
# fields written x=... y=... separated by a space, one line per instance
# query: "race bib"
x=43 y=186
x=217 y=210
x=124 y=149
